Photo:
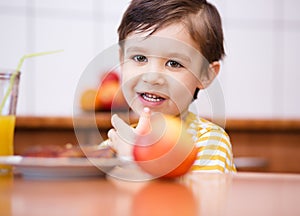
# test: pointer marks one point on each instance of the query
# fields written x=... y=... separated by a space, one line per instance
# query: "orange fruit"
x=88 y=100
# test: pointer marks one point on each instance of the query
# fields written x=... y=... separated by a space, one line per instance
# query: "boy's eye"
x=174 y=64
x=140 y=58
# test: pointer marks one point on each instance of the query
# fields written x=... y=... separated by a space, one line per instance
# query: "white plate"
x=39 y=167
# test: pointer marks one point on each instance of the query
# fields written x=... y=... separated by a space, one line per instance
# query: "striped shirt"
x=214 y=147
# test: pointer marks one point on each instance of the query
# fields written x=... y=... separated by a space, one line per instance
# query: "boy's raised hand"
x=123 y=136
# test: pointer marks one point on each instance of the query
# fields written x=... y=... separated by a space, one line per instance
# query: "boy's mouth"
x=152 y=97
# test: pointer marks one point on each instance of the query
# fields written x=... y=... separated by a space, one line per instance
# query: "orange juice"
x=7 y=127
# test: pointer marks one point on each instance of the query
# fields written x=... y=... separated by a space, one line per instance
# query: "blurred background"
x=259 y=76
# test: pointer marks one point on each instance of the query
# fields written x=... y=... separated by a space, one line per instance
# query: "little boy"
x=170 y=49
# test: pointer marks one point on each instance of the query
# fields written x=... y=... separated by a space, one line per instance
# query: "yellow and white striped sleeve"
x=214 y=153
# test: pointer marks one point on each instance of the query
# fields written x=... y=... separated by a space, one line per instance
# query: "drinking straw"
x=13 y=76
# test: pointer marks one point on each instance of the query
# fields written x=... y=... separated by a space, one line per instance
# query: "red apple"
x=168 y=150
x=110 y=76
x=109 y=96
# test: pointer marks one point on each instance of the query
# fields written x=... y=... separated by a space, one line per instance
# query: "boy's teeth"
x=151 y=97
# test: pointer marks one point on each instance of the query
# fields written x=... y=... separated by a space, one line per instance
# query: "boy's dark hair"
x=200 y=17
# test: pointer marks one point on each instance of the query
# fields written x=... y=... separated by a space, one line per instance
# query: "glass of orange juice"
x=9 y=85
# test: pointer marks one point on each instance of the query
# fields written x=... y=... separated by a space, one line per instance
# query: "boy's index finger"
x=144 y=124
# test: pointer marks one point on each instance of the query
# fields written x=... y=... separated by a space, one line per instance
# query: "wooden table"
x=196 y=194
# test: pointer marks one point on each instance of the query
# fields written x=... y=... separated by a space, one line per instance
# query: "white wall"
x=259 y=76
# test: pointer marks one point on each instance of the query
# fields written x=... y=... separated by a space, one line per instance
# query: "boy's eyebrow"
x=168 y=55
x=180 y=56
x=135 y=49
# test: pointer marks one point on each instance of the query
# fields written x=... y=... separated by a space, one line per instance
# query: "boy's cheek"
x=129 y=93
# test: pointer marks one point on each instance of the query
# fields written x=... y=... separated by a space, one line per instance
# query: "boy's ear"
x=211 y=73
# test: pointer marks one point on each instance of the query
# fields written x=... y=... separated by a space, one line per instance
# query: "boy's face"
x=161 y=71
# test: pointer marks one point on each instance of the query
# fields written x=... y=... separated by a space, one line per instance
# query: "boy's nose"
x=154 y=71
x=153 y=78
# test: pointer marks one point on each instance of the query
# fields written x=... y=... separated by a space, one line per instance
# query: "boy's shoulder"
x=197 y=123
